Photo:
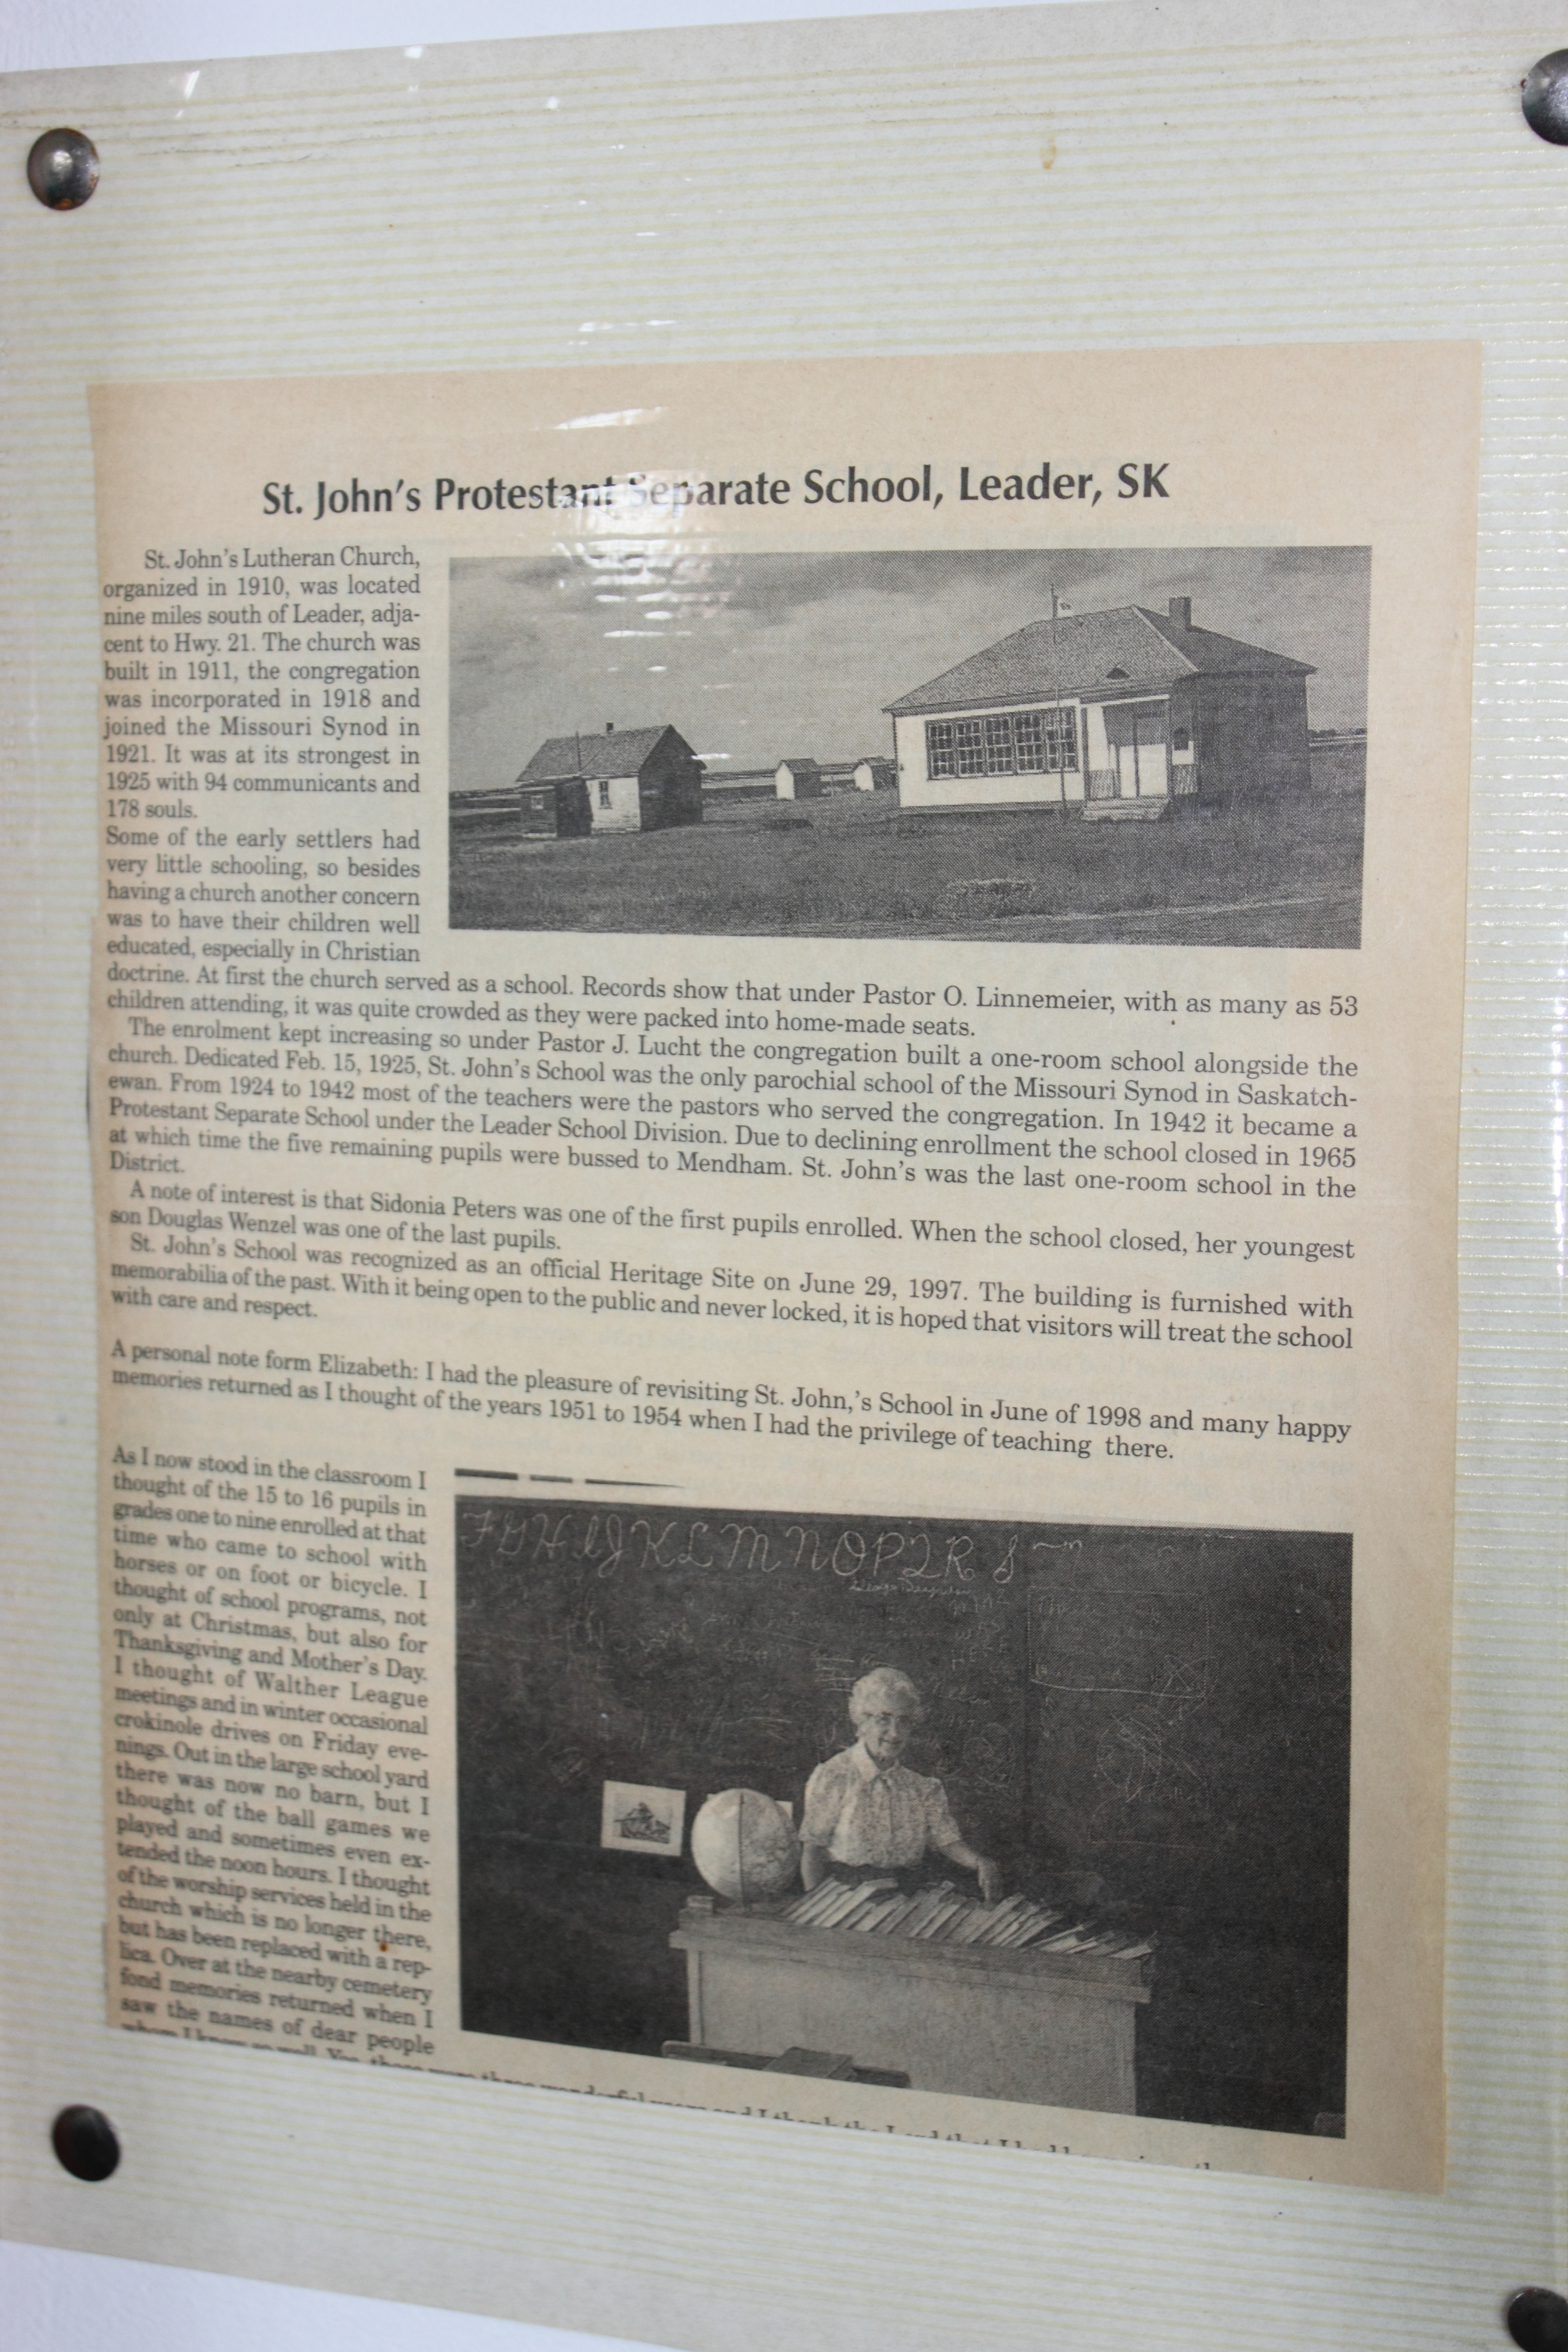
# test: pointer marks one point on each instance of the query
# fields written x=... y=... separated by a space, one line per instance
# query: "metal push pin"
x=1544 y=95
x=85 y=2142
x=1536 y=2317
x=62 y=169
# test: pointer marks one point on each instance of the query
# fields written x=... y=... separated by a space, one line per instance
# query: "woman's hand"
x=989 y=1876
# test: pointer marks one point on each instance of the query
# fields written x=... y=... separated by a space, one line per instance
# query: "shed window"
x=603 y=796
x=1005 y=743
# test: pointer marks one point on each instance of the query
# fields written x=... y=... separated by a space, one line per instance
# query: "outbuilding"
x=1120 y=713
x=639 y=780
x=799 y=779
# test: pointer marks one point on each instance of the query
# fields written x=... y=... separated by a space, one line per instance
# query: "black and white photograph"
x=1050 y=1813
x=640 y=1820
x=1145 y=746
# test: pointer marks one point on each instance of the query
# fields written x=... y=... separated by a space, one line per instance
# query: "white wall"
x=621 y=809
x=38 y=32
x=917 y=789
x=56 y=2302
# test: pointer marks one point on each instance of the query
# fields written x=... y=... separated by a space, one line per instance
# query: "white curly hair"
x=884 y=1686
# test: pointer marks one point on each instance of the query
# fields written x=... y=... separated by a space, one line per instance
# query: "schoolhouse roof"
x=1095 y=655
x=585 y=758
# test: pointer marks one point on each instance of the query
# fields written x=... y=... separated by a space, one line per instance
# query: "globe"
x=743 y=1844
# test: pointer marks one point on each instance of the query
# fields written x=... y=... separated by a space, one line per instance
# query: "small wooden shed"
x=638 y=780
x=799 y=779
x=875 y=775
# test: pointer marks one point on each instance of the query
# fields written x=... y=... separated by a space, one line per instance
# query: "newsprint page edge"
x=1125 y=546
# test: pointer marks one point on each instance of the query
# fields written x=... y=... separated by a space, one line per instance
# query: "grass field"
x=1284 y=875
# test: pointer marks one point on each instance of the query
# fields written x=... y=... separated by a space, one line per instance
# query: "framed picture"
x=643 y=1821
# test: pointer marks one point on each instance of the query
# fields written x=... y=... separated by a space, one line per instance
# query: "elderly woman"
x=867 y=1815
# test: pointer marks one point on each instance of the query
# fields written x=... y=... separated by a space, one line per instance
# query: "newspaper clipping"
x=775 y=1104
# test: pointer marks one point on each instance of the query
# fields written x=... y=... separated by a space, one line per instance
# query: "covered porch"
x=1140 y=756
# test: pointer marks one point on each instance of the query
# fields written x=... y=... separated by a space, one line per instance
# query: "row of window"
x=1003 y=743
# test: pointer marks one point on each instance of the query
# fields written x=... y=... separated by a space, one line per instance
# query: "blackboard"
x=706 y=1650
x=1190 y=1725
x=1151 y=1721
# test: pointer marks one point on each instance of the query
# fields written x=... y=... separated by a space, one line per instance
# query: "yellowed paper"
x=778 y=1046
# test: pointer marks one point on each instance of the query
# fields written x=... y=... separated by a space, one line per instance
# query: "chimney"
x=1181 y=611
x=609 y=726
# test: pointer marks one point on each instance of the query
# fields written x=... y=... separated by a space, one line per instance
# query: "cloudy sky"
x=756 y=659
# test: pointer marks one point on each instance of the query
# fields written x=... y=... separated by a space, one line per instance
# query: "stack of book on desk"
x=941 y=1914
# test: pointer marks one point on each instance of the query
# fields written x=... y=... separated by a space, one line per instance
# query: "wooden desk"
x=1053 y=2029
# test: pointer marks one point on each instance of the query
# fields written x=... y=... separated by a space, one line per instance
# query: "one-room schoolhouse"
x=1121 y=713
x=637 y=781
